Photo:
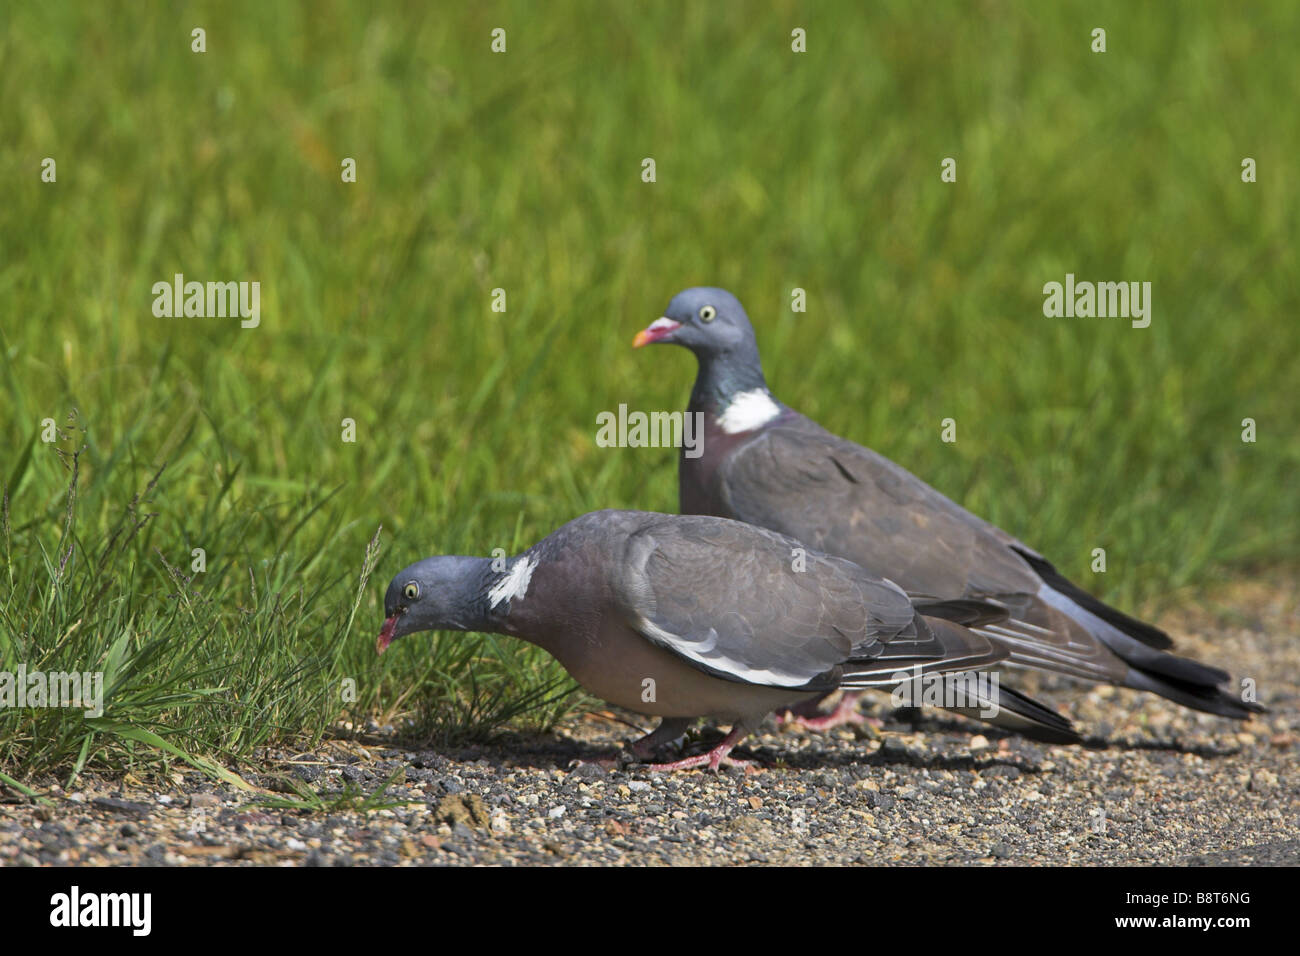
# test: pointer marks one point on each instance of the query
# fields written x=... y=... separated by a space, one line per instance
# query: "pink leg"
x=715 y=758
x=846 y=712
x=669 y=729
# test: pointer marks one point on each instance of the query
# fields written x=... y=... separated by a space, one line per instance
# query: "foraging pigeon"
x=695 y=616
x=764 y=463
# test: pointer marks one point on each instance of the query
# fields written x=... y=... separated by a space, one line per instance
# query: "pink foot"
x=846 y=712
x=715 y=758
x=712 y=758
x=669 y=729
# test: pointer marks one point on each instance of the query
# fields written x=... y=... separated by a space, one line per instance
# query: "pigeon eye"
x=708 y=313
x=411 y=591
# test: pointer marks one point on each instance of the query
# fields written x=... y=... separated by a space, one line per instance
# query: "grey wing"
x=848 y=500
x=726 y=598
x=845 y=499
x=941 y=647
x=804 y=481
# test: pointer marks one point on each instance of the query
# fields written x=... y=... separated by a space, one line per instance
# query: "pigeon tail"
x=1021 y=714
x=1180 y=679
x=1212 y=699
x=1146 y=633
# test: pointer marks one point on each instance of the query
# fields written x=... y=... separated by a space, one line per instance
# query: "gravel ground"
x=1154 y=784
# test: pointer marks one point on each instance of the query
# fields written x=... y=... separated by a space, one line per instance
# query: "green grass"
x=351 y=798
x=475 y=430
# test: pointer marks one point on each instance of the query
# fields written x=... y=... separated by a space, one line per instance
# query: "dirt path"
x=1156 y=784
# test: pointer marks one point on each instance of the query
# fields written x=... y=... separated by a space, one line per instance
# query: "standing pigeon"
x=766 y=464
x=694 y=616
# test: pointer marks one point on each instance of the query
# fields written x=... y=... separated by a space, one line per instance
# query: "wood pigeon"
x=764 y=463
x=689 y=616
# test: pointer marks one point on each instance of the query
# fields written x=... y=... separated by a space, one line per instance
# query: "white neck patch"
x=514 y=584
x=748 y=410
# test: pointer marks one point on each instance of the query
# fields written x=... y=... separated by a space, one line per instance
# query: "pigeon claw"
x=715 y=758
x=846 y=712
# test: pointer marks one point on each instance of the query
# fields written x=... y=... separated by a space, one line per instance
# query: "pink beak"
x=655 y=331
x=386 y=635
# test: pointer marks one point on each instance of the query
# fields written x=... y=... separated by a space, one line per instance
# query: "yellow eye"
x=411 y=591
x=708 y=313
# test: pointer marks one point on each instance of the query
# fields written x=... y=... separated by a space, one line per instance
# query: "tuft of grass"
x=351 y=798
x=208 y=666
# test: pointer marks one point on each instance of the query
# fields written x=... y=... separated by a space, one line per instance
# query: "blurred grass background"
x=522 y=171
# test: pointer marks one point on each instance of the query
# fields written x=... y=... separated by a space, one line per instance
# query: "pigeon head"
x=444 y=593
x=712 y=324
x=709 y=322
